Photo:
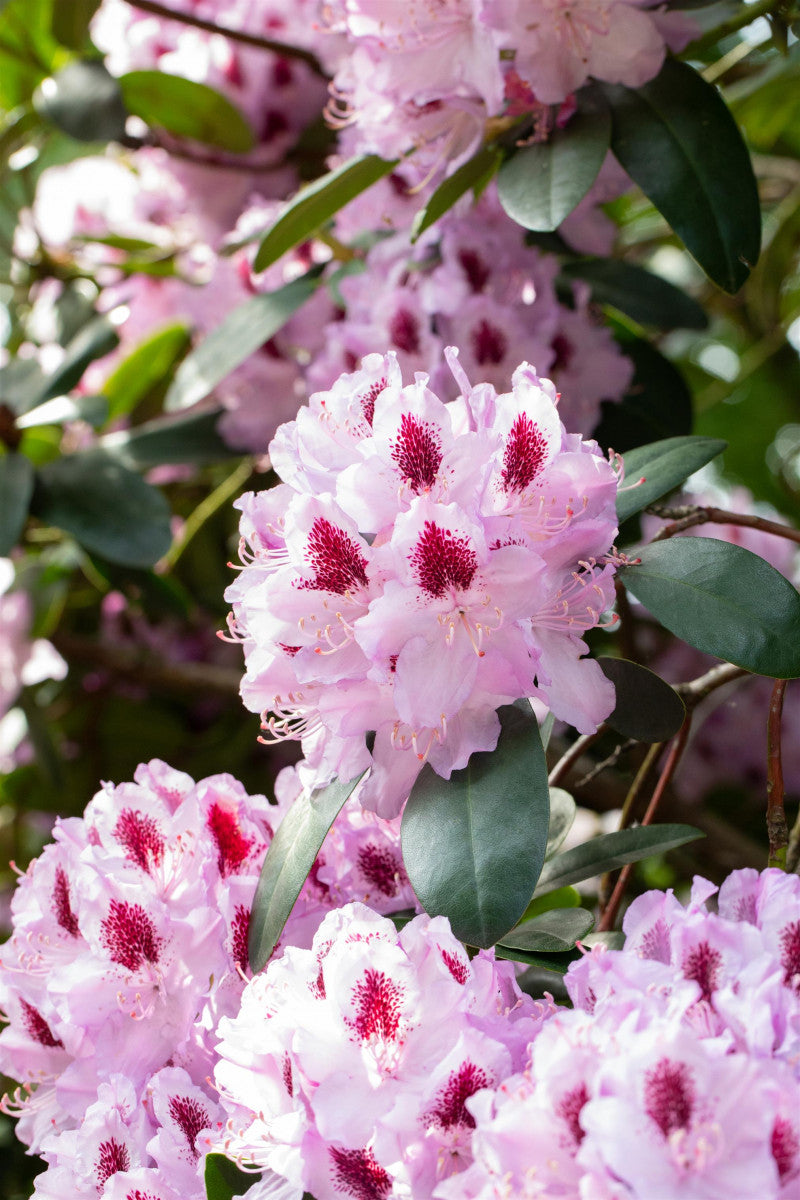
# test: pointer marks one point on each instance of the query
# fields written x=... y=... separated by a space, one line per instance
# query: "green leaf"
x=242 y=332
x=144 y=369
x=646 y=708
x=224 y=1179
x=70 y=24
x=92 y=409
x=84 y=101
x=289 y=859
x=473 y=845
x=16 y=489
x=541 y=184
x=558 y=962
x=110 y=510
x=676 y=138
x=566 y=897
x=723 y=600
x=317 y=203
x=552 y=932
x=663 y=465
x=190 y=438
x=658 y=404
x=610 y=851
x=95 y=339
x=641 y=295
x=562 y=815
x=475 y=173
x=22 y=384
x=186 y=109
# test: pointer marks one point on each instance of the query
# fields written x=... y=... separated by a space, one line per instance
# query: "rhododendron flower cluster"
x=349 y=1066
x=380 y=1065
x=129 y=943
x=422 y=564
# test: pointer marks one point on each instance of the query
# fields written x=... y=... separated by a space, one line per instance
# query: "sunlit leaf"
x=610 y=851
x=663 y=466
x=186 y=109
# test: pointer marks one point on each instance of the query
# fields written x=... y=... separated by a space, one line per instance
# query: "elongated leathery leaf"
x=723 y=600
x=474 y=173
x=551 y=932
x=610 y=851
x=640 y=294
x=16 y=489
x=289 y=859
x=541 y=184
x=224 y=1179
x=317 y=203
x=662 y=466
x=242 y=332
x=187 y=109
x=646 y=708
x=562 y=815
x=677 y=139
x=474 y=845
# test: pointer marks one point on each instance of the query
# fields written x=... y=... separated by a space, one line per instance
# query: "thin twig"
x=690 y=515
x=777 y=829
x=609 y=916
x=625 y=817
x=235 y=35
x=697 y=689
x=206 y=509
x=605 y=763
x=149 y=669
x=568 y=760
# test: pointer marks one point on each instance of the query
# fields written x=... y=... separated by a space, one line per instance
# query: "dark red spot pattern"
x=563 y=350
x=669 y=1095
x=702 y=964
x=489 y=344
x=130 y=936
x=381 y=868
x=190 y=1116
x=448 y=1109
x=37 y=1027
x=524 y=456
x=368 y=401
x=112 y=1156
x=274 y=123
x=377 y=1000
x=655 y=942
x=288 y=1082
x=789 y=941
x=140 y=838
x=282 y=73
x=456 y=966
x=357 y=1174
x=336 y=559
x=475 y=269
x=785 y=1146
x=136 y=1194
x=417 y=452
x=569 y=1108
x=62 y=908
x=240 y=930
x=404 y=331
x=233 y=846
x=442 y=561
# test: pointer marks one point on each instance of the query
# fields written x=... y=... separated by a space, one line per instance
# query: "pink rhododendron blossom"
x=349 y=1065
x=424 y=563
x=23 y=662
x=130 y=942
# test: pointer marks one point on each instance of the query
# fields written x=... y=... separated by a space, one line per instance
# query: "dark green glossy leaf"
x=224 y=1179
x=562 y=815
x=541 y=184
x=16 y=489
x=107 y=508
x=552 y=932
x=664 y=466
x=290 y=857
x=658 y=404
x=676 y=138
x=22 y=384
x=187 y=109
x=144 y=369
x=84 y=101
x=95 y=339
x=558 y=962
x=723 y=600
x=473 y=845
x=92 y=409
x=242 y=332
x=646 y=708
x=317 y=203
x=189 y=438
x=638 y=293
x=475 y=173
x=610 y=851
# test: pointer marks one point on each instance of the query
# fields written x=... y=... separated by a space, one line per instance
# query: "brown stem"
x=688 y=516
x=640 y=779
x=777 y=829
x=148 y=669
x=235 y=35
x=697 y=689
x=609 y=916
x=568 y=760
